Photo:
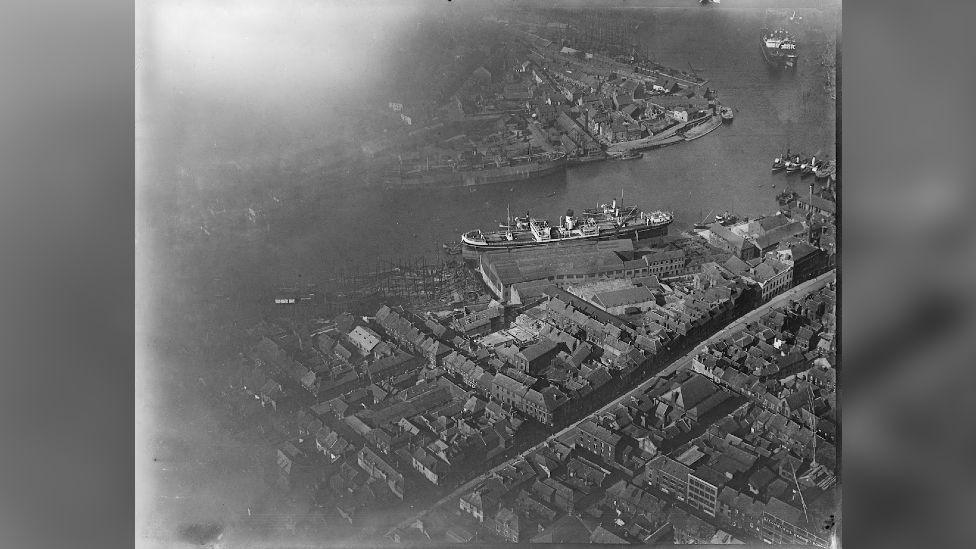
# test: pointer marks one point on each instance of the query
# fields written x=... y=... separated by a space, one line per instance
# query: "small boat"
x=786 y=197
x=808 y=167
x=824 y=169
x=701 y=224
x=629 y=155
x=779 y=162
x=792 y=164
x=727 y=114
x=726 y=218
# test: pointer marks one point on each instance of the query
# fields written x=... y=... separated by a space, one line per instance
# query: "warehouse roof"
x=626 y=296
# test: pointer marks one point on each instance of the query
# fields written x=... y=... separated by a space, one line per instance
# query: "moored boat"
x=702 y=224
x=778 y=48
x=792 y=163
x=726 y=218
x=585 y=159
x=612 y=221
x=628 y=155
x=778 y=163
x=824 y=169
x=727 y=115
x=806 y=168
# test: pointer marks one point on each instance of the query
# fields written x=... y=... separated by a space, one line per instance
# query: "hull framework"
x=449 y=178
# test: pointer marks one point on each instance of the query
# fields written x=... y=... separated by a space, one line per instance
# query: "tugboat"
x=778 y=48
x=780 y=162
x=726 y=218
x=806 y=168
x=792 y=163
x=727 y=115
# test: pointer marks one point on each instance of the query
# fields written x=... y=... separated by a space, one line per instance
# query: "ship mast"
x=508 y=209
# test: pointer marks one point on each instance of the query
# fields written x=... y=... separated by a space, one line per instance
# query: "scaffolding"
x=418 y=283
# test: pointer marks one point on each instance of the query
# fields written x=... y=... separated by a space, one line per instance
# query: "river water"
x=728 y=169
x=326 y=225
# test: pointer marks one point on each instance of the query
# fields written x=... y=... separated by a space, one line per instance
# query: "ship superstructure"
x=779 y=48
x=480 y=171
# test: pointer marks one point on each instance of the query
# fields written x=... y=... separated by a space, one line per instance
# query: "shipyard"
x=542 y=274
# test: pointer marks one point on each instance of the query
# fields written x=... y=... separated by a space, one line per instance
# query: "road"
x=685 y=361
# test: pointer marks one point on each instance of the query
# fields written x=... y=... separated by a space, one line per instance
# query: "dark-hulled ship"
x=481 y=171
x=605 y=222
x=779 y=48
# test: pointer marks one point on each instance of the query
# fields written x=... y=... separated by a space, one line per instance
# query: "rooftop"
x=623 y=297
x=542 y=262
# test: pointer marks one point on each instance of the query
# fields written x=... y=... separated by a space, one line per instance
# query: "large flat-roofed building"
x=704 y=486
x=560 y=264
x=535 y=358
x=618 y=301
x=816 y=204
x=724 y=238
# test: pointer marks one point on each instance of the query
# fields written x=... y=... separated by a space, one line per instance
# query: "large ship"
x=779 y=48
x=479 y=172
x=605 y=222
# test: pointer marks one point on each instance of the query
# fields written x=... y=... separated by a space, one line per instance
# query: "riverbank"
x=703 y=129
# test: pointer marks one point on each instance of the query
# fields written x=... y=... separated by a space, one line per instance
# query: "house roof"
x=668 y=465
x=599 y=433
x=567 y=529
x=623 y=297
x=711 y=476
x=364 y=338
x=512 y=385
x=695 y=389
x=801 y=250
x=780 y=234
x=602 y=535
x=770 y=222
x=818 y=202
x=735 y=265
x=538 y=349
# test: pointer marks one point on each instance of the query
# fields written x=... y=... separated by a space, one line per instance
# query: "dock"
x=705 y=128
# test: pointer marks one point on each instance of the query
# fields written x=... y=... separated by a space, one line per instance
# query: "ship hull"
x=633 y=233
x=478 y=177
x=777 y=60
x=580 y=160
